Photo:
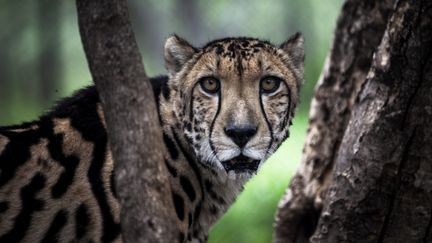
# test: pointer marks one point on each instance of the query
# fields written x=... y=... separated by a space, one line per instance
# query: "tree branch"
x=366 y=170
x=360 y=27
x=133 y=129
x=380 y=190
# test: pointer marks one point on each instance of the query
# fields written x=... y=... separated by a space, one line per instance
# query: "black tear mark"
x=288 y=110
x=214 y=119
x=267 y=121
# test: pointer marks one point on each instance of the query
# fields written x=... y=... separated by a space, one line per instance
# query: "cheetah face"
x=234 y=98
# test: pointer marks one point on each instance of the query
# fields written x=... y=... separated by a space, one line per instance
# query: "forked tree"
x=366 y=171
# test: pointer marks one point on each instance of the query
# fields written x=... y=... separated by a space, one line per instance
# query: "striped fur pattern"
x=56 y=173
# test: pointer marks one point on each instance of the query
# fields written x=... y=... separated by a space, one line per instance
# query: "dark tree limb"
x=381 y=183
x=366 y=172
x=133 y=129
x=358 y=32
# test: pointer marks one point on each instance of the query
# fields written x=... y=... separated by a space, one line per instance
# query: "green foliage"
x=251 y=217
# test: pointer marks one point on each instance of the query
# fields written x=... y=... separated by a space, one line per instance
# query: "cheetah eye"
x=210 y=85
x=269 y=84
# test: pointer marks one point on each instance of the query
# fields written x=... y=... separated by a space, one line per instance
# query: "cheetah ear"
x=294 y=47
x=177 y=52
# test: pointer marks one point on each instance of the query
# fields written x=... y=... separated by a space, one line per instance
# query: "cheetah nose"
x=240 y=134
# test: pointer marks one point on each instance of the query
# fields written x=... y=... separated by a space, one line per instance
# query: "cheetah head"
x=234 y=98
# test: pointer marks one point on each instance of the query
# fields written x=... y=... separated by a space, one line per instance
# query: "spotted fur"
x=56 y=173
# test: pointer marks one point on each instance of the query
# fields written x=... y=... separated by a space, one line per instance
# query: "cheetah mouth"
x=241 y=164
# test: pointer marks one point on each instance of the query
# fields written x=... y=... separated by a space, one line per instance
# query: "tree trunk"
x=147 y=215
x=366 y=171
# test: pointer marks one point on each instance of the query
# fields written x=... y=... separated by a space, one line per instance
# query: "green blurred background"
x=42 y=60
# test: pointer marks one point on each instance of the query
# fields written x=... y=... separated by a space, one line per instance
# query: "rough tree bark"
x=366 y=172
x=133 y=129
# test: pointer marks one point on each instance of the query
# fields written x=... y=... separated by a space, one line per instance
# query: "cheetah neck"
x=211 y=191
